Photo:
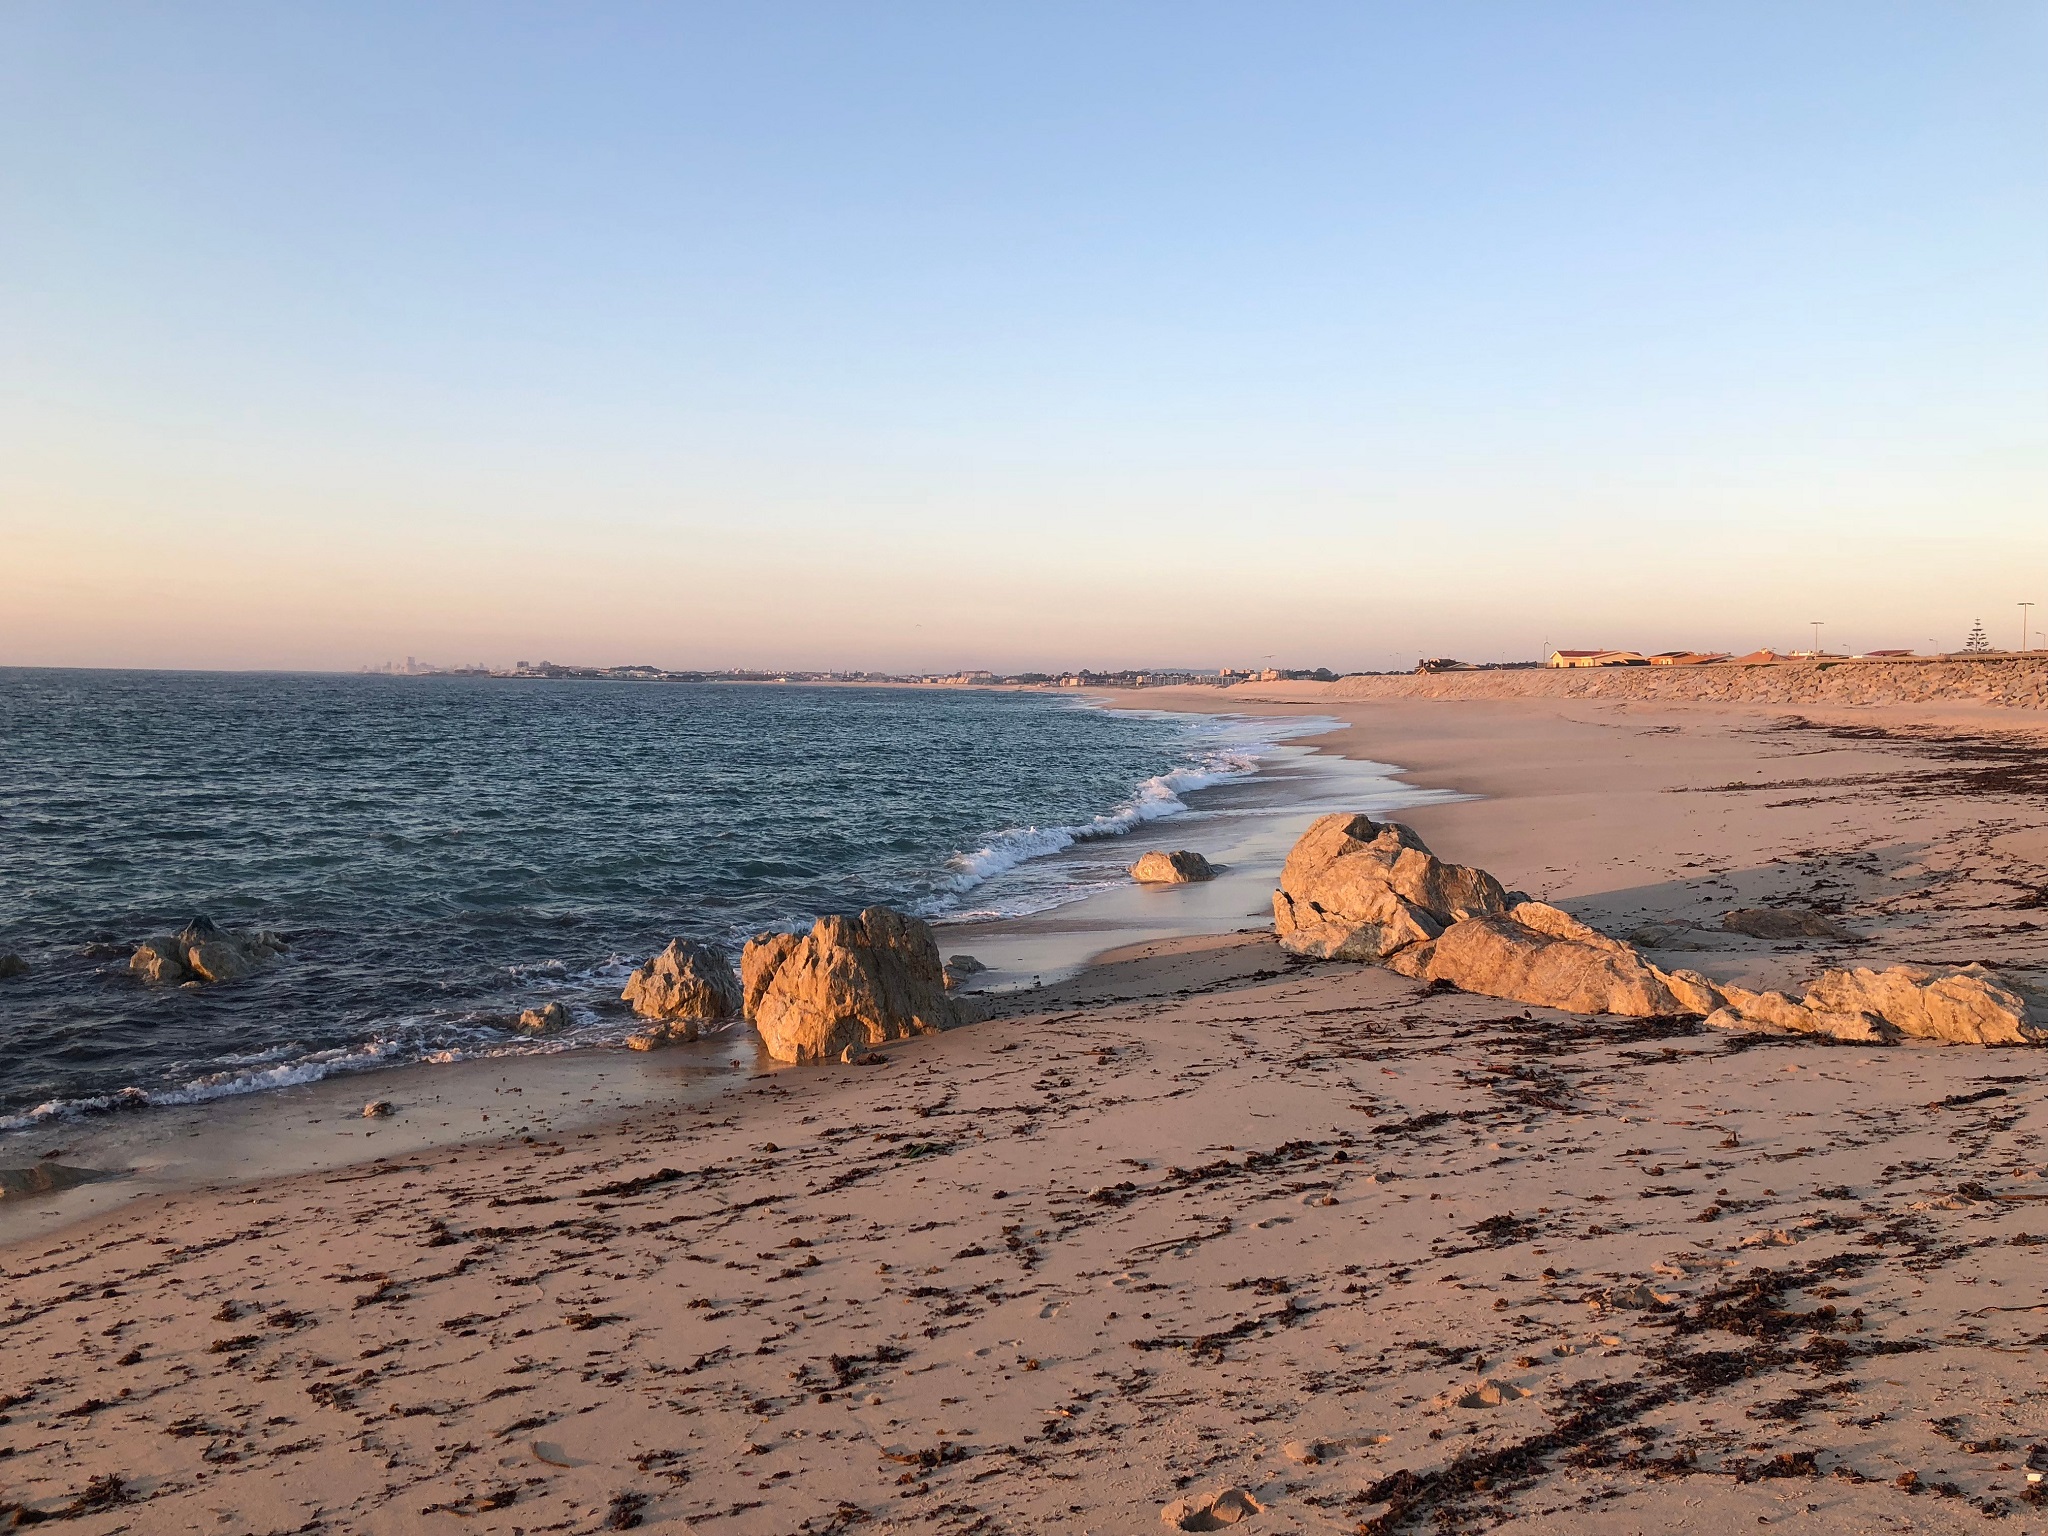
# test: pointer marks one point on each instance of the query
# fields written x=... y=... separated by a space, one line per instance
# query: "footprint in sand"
x=1052 y=1309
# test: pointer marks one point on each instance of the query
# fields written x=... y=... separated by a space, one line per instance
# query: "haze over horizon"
x=906 y=338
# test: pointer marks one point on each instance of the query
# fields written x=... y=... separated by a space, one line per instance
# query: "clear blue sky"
x=1031 y=335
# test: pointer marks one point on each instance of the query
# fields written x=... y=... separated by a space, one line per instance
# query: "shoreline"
x=294 y=1129
x=1200 y=1217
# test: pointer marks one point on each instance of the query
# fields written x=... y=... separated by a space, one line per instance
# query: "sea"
x=444 y=852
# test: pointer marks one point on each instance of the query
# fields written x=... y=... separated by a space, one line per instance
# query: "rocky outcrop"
x=1785 y=923
x=1181 y=867
x=48 y=1178
x=959 y=968
x=1357 y=889
x=851 y=981
x=685 y=981
x=202 y=951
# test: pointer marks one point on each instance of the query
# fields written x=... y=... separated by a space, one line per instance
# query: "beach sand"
x=1197 y=1217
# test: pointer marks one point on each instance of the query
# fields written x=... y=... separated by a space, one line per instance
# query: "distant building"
x=1881 y=655
x=1687 y=658
x=1757 y=658
x=1597 y=659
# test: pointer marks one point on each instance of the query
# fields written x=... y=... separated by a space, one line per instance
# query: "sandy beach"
x=1198 y=1218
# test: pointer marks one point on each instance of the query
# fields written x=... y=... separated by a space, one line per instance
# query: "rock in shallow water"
x=685 y=981
x=203 y=951
x=47 y=1178
x=548 y=1019
x=12 y=965
x=1181 y=867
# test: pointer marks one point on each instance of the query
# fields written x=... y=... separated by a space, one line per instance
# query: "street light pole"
x=1816 y=623
x=2023 y=624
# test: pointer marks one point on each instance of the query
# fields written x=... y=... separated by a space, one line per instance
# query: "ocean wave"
x=1232 y=759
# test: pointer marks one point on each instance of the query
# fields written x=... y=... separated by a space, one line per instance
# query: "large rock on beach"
x=851 y=981
x=1966 y=1006
x=685 y=981
x=1357 y=889
x=1538 y=954
x=203 y=951
x=1181 y=867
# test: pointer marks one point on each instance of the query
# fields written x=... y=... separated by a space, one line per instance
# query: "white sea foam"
x=1228 y=750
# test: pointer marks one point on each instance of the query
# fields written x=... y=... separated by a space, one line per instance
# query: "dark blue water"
x=445 y=852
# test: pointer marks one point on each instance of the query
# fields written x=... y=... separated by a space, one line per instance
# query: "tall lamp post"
x=2023 y=624
x=1816 y=623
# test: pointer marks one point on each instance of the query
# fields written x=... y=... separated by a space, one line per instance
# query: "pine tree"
x=1977 y=642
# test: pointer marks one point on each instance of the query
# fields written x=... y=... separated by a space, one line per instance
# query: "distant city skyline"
x=915 y=337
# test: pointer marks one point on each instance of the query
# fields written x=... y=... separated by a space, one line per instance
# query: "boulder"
x=960 y=967
x=1357 y=889
x=220 y=960
x=1967 y=1006
x=1785 y=923
x=1580 y=972
x=12 y=965
x=685 y=981
x=1181 y=867
x=851 y=981
x=548 y=1019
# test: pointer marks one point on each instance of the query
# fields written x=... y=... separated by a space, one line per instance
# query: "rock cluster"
x=854 y=982
x=960 y=967
x=1355 y=889
x=202 y=951
x=1181 y=867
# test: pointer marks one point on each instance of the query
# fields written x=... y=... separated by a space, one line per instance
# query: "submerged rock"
x=1181 y=867
x=851 y=981
x=685 y=981
x=1357 y=889
x=548 y=1019
x=12 y=965
x=47 y=1178
x=203 y=951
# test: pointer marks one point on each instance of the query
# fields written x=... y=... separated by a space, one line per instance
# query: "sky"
x=1044 y=335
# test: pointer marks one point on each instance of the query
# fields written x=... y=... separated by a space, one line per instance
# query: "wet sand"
x=1197 y=1217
